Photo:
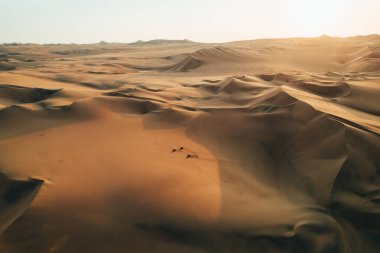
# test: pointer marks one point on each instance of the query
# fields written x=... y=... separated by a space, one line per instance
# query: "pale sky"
x=91 y=21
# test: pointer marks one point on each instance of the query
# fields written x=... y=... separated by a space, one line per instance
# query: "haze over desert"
x=267 y=145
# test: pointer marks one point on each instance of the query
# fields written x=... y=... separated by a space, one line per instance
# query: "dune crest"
x=16 y=196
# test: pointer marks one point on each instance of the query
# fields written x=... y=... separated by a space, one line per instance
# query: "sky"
x=91 y=21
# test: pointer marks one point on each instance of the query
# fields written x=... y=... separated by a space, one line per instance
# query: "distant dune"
x=160 y=42
x=176 y=146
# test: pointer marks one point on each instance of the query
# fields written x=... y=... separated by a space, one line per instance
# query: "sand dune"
x=186 y=64
x=17 y=94
x=16 y=196
x=177 y=146
x=6 y=66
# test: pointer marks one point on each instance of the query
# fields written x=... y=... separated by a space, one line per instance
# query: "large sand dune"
x=177 y=146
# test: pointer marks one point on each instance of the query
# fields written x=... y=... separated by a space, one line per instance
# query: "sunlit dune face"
x=314 y=18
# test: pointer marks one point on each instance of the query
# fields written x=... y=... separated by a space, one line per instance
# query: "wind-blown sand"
x=285 y=134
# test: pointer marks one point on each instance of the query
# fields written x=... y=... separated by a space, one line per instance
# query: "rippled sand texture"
x=176 y=146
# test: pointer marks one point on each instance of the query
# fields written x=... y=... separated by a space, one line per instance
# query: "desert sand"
x=280 y=146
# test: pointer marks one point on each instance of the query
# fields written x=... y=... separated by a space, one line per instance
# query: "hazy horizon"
x=57 y=21
x=190 y=40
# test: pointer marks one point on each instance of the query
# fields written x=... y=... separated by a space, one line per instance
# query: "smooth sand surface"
x=280 y=147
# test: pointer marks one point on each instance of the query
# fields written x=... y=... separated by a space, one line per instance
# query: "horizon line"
x=186 y=40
